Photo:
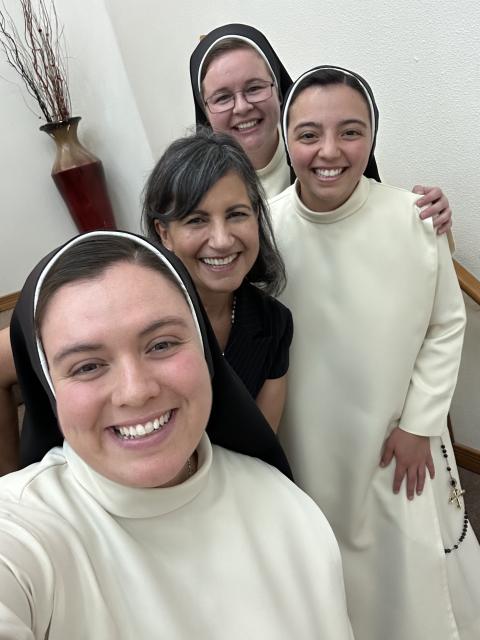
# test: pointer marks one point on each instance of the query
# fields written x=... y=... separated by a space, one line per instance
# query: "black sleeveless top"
x=260 y=338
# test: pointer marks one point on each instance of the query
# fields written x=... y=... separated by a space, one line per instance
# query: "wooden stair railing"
x=8 y=302
x=468 y=283
x=467 y=457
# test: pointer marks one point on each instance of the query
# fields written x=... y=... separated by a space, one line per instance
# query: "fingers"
x=412 y=473
x=443 y=228
x=420 y=481
x=398 y=477
x=387 y=454
x=431 y=196
x=435 y=208
x=416 y=477
x=419 y=189
x=430 y=466
x=442 y=218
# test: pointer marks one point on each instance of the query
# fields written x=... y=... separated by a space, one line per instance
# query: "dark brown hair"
x=183 y=175
x=89 y=259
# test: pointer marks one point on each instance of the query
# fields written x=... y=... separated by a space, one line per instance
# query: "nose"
x=241 y=105
x=330 y=148
x=134 y=384
x=220 y=236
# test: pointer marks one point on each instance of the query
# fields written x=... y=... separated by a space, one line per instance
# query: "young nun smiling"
x=379 y=322
x=161 y=514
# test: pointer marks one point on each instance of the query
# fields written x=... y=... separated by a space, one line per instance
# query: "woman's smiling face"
x=254 y=126
x=132 y=385
x=218 y=242
x=329 y=142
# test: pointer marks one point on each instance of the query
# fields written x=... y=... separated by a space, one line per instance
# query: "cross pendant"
x=454 y=497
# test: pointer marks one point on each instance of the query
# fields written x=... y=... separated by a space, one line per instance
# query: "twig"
x=38 y=56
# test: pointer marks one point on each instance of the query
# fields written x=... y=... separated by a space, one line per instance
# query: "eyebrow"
x=227 y=90
x=342 y=123
x=232 y=207
x=89 y=347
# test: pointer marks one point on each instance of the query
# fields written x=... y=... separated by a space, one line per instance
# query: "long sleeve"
x=436 y=367
x=14 y=611
x=27 y=579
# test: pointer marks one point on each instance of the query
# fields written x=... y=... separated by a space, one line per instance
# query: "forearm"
x=436 y=367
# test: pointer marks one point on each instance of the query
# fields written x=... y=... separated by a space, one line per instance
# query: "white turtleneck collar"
x=133 y=502
x=348 y=208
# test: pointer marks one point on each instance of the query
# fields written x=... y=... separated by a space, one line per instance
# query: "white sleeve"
x=26 y=584
x=436 y=368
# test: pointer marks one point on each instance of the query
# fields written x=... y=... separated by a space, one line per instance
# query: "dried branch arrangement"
x=37 y=53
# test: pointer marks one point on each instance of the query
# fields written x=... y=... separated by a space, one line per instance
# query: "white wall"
x=33 y=217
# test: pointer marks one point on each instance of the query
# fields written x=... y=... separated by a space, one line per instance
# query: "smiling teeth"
x=328 y=173
x=219 y=262
x=142 y=430
x=246 y=125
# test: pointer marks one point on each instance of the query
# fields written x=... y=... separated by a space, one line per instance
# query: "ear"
x=162 y=233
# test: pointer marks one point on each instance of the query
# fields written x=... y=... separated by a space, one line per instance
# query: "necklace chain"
x=189 y=467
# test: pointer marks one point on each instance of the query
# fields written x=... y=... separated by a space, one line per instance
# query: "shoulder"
x=388 y=193
x=397 y=210
x=31 y=513
x=20 y=485
x=274 y=493
x=271 y=311
x=284 y=198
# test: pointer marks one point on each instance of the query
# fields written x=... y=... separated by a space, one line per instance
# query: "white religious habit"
x=379 y=322
x=236 y=552
x=275 y=177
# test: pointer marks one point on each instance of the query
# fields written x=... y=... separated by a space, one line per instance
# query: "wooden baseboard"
x=467 y=457
x=9 y=301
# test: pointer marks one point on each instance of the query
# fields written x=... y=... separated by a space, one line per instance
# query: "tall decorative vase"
x=80 y=178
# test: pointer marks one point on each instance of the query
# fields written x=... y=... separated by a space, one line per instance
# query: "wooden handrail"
x=468 y=282
x=9 y=301
x=467 y=457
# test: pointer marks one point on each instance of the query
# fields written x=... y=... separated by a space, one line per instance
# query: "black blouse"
x=260 y=338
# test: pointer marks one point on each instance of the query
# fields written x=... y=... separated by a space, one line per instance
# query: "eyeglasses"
x=225 y=100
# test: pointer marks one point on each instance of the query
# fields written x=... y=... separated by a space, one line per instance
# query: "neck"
x=187 y=471
x=321 y=206
x=217 y=305
x=219 y=311
x=260 y=158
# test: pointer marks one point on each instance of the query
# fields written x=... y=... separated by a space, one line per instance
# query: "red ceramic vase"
x=80 y=178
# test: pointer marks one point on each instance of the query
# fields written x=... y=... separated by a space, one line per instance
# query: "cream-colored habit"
x=378 y=329
x=237 y=552
x=275 y=177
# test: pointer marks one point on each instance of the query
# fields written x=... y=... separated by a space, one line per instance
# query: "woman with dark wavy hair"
x=204 y=202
